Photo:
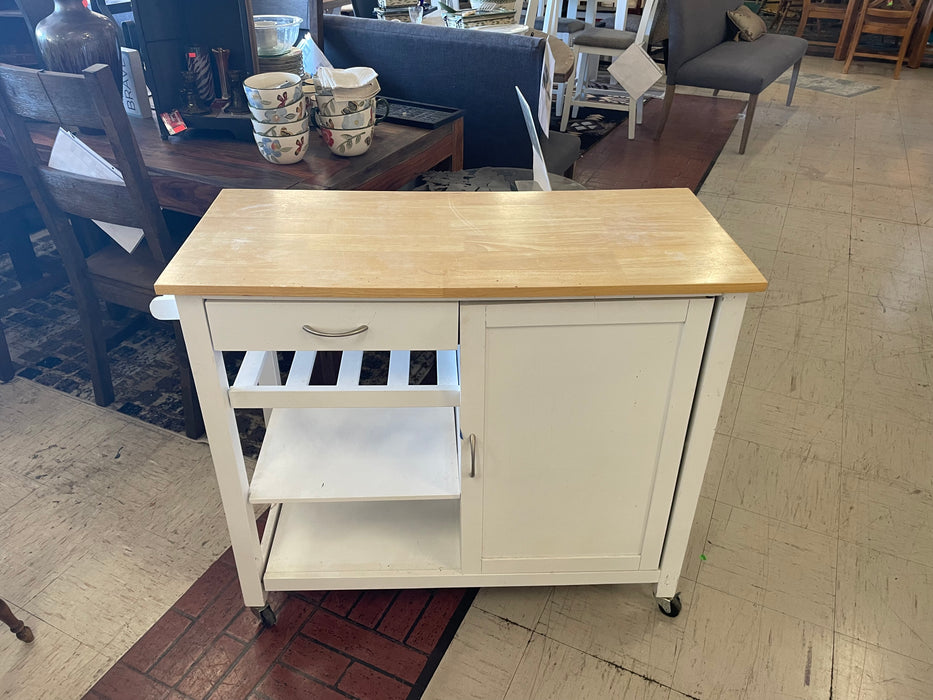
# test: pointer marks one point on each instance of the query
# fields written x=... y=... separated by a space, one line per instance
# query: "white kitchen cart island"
x=583 y=343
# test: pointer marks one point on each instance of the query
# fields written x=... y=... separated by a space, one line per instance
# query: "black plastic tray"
x=419 y=114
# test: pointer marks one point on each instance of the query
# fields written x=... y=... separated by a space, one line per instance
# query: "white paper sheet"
x=547 y=87
x=70 y=154
x=635 y=71
x=312 y=57
x=537 y=155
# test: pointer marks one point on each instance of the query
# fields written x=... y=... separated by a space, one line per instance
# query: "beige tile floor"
x=816 y=517
x=815 y=520
x=99 y=534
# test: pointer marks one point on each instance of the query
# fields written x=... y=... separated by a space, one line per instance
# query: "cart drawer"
x=288 y=325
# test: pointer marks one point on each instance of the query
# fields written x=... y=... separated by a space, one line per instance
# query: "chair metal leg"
x=632 y=117
x=749 y=115
x=668 y=101
x=793 y=82
x=715 y=92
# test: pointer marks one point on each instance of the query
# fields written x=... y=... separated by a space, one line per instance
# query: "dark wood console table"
x=189 y=170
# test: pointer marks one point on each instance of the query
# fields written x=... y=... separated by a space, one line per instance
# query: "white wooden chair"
x=594 y=42
x=551 y=22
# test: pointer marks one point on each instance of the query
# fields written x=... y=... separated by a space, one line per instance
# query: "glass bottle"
x=193 y=104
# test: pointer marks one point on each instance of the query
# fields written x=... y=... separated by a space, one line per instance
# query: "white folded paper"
x=538 y=166
x=345 y=78
x=313 y=59
x=72 y=155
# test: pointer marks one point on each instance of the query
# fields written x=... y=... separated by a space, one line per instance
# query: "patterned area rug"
x=841 y=87
x=46 y=344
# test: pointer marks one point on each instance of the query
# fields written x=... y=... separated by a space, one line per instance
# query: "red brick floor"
x=369 y=645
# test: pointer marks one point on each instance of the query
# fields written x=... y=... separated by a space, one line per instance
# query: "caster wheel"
x=670 y=606
x=266 y=615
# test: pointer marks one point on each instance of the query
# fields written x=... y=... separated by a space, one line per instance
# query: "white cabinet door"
x=579 y=411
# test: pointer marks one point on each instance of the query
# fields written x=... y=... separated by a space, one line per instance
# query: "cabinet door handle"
x=334 y=334
x=472 y=455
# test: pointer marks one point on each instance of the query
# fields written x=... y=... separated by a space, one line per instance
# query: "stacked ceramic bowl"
x=280 y=116
x=347 y=118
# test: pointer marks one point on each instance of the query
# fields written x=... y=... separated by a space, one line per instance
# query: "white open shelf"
x=329 y=540
x=248 y=390
x=358 y=454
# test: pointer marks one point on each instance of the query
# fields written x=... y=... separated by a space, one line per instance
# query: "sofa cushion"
x=749 y=25
x=605 y=38
x=743 y=66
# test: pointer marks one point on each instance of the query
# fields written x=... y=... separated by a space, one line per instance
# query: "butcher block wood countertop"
x=458 y=245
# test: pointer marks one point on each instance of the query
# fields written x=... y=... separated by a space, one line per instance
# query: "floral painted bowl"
x=283 y=129
x=353 y=120
x=308 y=90
x=348 y=142
x=331 y=106
x=272 y=90
x=294 y=112
x=283 y=150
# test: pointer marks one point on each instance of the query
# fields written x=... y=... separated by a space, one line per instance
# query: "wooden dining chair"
x=98 y=269
x=823 y=9
x=17 y=626
x=784 y=10
x=921 y=44
x=894 y=18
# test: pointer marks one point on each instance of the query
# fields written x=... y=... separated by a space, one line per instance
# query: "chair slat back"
x=892 y=9
x=30 y=96
x=88 y=101
x=89 y=197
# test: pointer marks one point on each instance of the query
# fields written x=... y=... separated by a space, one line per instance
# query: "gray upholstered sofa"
x=472 y=70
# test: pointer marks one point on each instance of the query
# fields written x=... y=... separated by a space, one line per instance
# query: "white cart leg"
x=210 y=378
x=711 y=386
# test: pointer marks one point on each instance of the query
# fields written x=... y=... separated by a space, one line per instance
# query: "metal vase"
x=73 y=38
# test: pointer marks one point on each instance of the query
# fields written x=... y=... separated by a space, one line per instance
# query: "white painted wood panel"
x=278 y=325
x=249 y=392
x=574 y=422
x=364 y=454
x=382 y=538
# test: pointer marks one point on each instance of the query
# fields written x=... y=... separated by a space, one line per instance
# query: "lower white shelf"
x=314 y=541
x=358 y=454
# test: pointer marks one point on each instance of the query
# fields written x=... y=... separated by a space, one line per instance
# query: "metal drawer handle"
x=334 y=334
x=472 y=455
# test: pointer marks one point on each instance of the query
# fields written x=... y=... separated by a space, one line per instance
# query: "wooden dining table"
x=190 y=169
